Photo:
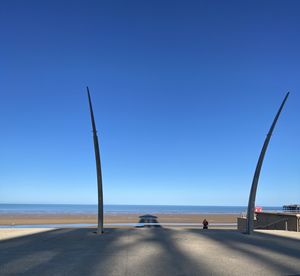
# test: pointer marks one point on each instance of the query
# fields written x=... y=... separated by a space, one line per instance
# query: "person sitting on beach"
x=205 y=224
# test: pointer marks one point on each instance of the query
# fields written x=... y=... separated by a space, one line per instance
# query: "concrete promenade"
x=150 y=251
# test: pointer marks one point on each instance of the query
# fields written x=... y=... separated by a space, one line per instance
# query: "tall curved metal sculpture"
x=98 y=167
x=252 y=196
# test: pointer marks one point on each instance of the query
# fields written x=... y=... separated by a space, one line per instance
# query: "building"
x=287 y=219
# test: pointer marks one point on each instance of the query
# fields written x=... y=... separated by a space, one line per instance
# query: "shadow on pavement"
x=269 y=250
x=81 y=252
x=161 y=251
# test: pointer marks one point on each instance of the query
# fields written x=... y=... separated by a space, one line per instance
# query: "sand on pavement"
x=9 y=233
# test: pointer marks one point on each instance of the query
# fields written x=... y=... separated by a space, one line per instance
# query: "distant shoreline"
x=86 y=210
x=63 y=214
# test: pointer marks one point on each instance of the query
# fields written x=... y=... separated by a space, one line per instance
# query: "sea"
x=65 y=209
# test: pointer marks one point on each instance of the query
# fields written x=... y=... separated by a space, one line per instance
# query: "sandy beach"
x=16 y=219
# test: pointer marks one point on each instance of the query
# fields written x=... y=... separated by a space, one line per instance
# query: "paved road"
x=150 y=251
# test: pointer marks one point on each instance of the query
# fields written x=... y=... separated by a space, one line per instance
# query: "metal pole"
x=286 y=225
x=252 y=196
x=98 y=167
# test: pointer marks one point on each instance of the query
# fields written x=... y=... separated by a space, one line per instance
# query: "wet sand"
x=16 y=219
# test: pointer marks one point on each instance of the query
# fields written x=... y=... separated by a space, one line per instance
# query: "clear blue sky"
x=184 y=93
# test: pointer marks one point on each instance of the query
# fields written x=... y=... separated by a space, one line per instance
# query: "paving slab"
x=150 y=251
